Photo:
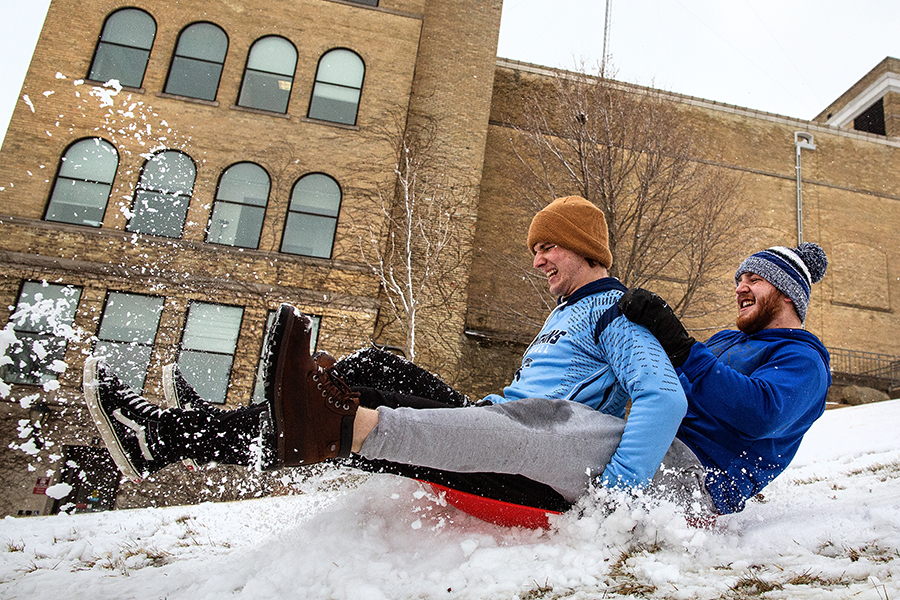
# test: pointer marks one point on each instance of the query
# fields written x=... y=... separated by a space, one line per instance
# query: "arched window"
x=124 y=47
x=163 y=195
x=83 y=183
x=269 y=75
x=197 y=63
x=339 y=81
x=237 y=216
x=312 y=216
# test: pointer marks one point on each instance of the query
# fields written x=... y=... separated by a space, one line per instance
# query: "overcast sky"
x=790 y=57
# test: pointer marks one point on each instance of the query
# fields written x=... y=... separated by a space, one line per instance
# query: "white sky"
x=791 y=57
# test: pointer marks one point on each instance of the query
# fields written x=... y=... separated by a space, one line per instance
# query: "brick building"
x=166 y=216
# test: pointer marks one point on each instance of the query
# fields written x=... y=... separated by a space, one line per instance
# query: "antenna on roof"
x=605 y=37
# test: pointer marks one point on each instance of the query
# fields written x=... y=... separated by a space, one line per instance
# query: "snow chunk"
x=59 y=491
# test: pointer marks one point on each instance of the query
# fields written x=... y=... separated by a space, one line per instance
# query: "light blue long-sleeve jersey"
x=569 y=360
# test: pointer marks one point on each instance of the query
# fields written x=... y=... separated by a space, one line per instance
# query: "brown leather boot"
x=324 y=360
x=313 y=410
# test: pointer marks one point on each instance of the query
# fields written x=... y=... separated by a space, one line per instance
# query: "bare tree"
x=415 y=248
x=634 y=154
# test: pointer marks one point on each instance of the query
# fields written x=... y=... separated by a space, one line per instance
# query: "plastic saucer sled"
x=493 y=511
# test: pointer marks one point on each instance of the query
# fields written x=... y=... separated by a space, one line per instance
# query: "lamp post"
x=802 y=140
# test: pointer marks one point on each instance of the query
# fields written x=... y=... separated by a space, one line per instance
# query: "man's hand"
x=646 y=308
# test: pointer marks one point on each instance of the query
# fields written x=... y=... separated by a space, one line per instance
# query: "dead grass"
x=625 y=582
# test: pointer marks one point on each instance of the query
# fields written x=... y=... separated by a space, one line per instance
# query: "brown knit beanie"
x=575 y=224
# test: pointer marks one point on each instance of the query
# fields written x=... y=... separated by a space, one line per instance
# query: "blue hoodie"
x=750 y=400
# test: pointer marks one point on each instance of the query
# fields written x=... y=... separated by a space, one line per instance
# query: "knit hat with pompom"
x=791 y=270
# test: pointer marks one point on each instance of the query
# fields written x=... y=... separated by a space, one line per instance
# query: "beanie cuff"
x=552 y=228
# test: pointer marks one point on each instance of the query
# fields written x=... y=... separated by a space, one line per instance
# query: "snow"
x=829 y=527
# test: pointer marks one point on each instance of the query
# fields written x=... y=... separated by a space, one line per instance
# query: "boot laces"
x=333 y=389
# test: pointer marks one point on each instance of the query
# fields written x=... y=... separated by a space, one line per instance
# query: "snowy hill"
x=829 y=527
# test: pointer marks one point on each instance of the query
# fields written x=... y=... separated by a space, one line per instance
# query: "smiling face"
x=762 y=306
x=565 y=270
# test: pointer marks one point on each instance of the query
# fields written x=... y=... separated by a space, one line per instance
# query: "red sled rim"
x=497 y=512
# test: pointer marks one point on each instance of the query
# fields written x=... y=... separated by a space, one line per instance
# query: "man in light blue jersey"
x=574 y=382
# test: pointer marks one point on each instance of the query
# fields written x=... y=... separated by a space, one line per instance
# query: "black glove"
x=646 y=308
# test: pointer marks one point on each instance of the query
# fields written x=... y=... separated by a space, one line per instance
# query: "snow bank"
x=827 y=528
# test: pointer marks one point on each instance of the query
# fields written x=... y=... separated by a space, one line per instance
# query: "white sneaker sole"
x=102 y=422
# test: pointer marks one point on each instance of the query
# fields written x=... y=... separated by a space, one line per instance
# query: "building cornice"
x=888 y=82
x=800 y=124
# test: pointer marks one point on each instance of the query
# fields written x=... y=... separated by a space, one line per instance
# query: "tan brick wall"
x=851 y=207
x=215 y=135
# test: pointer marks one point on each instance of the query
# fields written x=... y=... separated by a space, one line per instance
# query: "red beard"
x=766 y=310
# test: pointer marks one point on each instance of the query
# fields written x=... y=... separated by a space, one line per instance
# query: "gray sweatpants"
x=563 y=444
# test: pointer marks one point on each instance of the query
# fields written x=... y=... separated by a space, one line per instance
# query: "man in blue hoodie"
x=754 y=392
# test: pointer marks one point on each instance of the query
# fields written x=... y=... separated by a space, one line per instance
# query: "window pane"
x=194 y=78
x=78 y=202
x=309 y=235
x=246 y=183
x=130 y=27
x=124 y=48
x=265 y=91
x=82 y=187
x=235 y=225
x=45 y=308
x=31 y=356
x=212 y=328
x=128 y=361
x=204 y=41
x=274 y=55
x=318 y=194
x=159 y=214
x=42 y=321
x=338 y=86
x=90 y=160
x=333 y=103
x=130 y=318
x=341 y=67
x=197 y=65
x=207 y=347
x=170 y=172
x=207 y=373
x=123 y=64
x=161 y=202
x=269 y=75
x=127 y=333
